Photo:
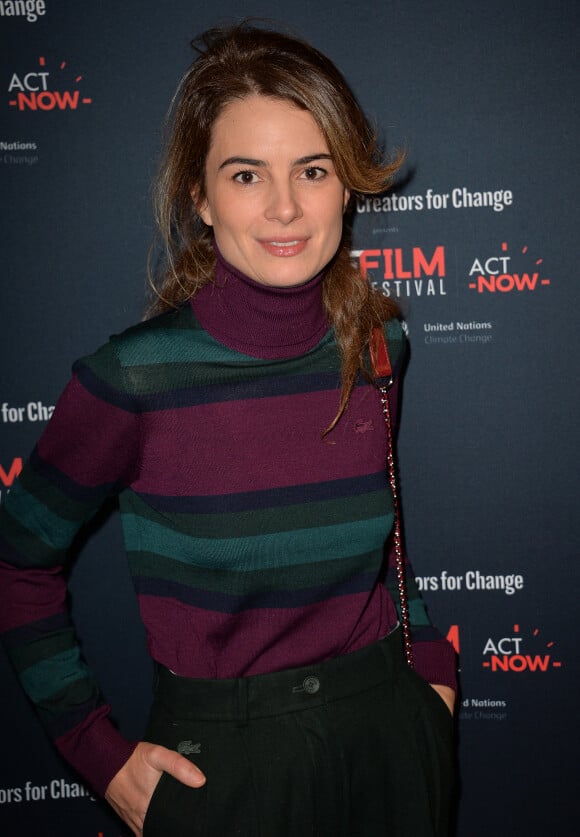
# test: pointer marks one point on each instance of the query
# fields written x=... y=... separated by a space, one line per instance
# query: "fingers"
x=168 y=761
x=131 y=789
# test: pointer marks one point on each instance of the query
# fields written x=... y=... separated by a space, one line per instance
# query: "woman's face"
x=272 y=194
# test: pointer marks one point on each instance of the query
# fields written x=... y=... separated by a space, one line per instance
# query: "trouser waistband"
x=291 y=690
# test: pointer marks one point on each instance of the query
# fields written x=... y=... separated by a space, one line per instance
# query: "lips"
x=284 y=247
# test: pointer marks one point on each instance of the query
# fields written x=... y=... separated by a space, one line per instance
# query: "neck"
x=261 y=320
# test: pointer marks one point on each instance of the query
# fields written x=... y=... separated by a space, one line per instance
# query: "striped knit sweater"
x=254 y=543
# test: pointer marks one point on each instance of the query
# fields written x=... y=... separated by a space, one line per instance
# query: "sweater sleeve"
x=89 y=451
x=434 y=656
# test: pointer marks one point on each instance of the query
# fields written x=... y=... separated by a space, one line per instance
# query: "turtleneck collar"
x=261 y=320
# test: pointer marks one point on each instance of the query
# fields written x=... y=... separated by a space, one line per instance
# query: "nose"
x=283 y=204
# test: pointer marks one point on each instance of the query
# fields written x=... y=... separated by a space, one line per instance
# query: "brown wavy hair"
x=232 y=64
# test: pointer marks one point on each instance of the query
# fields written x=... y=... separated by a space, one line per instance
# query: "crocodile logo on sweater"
x=362 y=425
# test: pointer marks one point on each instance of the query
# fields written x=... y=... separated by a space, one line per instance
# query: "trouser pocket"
x=175 y=809
x=430 y=734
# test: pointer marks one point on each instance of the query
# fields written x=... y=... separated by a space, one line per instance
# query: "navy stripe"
x=102 y=390
x=90 y=495
x=36 y=630
x=59 y=724
x=269 y=497
x=11 y=557
x=210 y=600
x=204 y=392
x=426 y=633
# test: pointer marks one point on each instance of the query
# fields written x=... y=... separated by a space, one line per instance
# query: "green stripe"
x=173 y=351
x=395 y=339
x=161 y=375
x=37 y=650
x=177 y=347
x=256 y=553
x=77 y=693
x=176 y=352
x=150 y=565
x=143 y=347
x=33 y=551
x=49 y=527
x=418 y=613
x=266 y=521
x=52 y=497
x=50 y=677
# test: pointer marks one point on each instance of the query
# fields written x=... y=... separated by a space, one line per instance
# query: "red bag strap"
x=378 y=348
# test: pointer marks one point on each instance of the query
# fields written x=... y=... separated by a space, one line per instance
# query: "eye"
x=314 y=173
x=245 y=177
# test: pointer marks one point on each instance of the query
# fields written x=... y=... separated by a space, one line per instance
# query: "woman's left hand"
x=446 y=694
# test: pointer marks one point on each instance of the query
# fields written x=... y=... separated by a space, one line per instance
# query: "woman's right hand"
x=130 y=790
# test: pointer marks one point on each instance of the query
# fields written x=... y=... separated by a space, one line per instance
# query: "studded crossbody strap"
x=384 y=378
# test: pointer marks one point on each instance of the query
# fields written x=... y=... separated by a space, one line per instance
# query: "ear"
x=202 y=207
x=345 y=199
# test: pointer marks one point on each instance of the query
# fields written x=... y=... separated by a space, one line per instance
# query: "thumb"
x=168 y=761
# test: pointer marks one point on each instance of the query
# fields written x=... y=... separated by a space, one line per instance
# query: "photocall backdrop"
x=478 y=242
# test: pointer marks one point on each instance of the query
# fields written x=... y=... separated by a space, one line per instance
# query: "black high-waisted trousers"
x=359 y=746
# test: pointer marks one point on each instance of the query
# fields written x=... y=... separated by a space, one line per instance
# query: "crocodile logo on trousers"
x=188 y=748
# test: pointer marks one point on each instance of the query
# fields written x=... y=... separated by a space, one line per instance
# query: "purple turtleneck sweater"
x=254 y=543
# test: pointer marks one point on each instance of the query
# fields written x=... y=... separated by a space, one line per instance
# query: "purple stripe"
x=435 y=661
x=95 y=748
x=198 y=643
x=93 y=443
x=30 y=595
x=61 y=723
x=72 y=489
x=198 y=451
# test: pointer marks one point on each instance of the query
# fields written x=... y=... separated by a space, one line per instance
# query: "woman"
x=244 y=436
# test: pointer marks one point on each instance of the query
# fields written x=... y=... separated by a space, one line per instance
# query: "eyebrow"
x=248 y=161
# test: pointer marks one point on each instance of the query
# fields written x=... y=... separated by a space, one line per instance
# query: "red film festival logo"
x=9 y=474
x=41 y=90
x=397 y=272
x=496 y=274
